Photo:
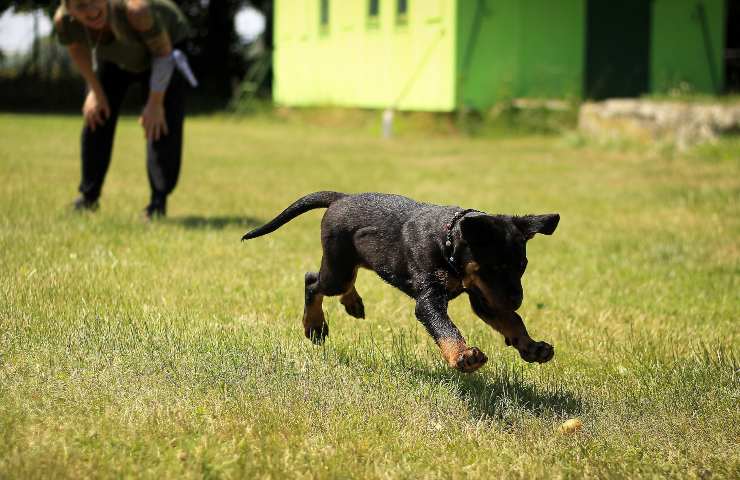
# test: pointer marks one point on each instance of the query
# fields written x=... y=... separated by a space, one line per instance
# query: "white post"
x=387 y=123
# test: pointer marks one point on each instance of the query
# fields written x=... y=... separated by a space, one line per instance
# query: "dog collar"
x=448 y=253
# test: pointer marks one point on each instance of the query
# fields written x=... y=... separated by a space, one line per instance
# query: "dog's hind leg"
x=314 y=324
x=336 y=277
x=352 y=301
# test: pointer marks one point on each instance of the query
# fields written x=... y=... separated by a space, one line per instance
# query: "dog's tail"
x=302 y=205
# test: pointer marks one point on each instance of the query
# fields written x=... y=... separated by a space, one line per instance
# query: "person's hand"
x=153 y=121
x=95 y=110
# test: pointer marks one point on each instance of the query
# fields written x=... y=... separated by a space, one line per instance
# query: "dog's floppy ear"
x=531 y=224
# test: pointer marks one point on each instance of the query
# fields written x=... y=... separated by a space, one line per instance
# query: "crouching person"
x=115 y=44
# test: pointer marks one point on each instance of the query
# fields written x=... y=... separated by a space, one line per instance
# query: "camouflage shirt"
x=123 y=45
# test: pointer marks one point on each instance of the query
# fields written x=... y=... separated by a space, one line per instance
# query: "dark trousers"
x=162 y=156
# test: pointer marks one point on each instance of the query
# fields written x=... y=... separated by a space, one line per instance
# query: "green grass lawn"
x=174 y=350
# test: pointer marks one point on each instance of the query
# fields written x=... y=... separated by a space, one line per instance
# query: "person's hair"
x=66 y=3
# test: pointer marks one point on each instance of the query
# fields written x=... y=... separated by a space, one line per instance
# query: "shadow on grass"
x=197 y=222
x=500 y=390
x=505 y=391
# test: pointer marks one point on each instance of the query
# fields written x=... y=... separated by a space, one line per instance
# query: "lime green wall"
x=519 y=48
x=473 y=53
x=355 y=62
x=681 y=52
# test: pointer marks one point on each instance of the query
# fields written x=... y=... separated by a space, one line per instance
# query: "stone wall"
x=682 y=123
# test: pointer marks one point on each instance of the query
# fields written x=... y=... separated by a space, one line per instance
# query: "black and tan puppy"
x=433 y=254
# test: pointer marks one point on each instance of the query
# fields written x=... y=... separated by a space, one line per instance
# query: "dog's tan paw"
x=471 y=360
x=317 y=334
x=539 y=352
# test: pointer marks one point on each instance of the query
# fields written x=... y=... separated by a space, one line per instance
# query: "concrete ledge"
x=682 y=123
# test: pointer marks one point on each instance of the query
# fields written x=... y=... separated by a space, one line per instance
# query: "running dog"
x=430 y=252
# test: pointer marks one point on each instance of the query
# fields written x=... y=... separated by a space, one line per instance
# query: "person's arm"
x=142 y=19
x=95 y=110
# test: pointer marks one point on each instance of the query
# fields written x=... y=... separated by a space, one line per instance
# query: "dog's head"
x=498 y=255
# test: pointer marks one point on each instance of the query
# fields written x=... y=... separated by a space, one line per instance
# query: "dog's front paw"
x=471 y=360
x=539 y=352
x=317 y=334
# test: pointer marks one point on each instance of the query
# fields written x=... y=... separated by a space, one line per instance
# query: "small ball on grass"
x=571 y=426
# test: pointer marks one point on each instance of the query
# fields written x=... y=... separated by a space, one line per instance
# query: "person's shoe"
x=84 y=204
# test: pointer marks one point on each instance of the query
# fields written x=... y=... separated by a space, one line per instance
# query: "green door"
x=617 y=48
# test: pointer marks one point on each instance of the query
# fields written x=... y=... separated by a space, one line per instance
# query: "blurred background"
x=464 y=56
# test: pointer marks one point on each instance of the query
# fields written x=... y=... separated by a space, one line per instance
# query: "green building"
x=442 y=55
